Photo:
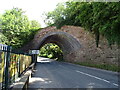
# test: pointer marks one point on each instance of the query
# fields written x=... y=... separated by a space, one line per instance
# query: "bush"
x=52 y=51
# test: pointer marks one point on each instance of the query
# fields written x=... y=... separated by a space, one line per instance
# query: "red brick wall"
x=88 y=51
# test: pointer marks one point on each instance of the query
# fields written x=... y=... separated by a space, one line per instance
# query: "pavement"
x=65 y=75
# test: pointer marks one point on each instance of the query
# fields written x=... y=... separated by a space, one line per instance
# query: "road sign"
x=34 y=52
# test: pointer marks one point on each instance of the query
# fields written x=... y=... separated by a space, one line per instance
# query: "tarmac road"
x=65 y=75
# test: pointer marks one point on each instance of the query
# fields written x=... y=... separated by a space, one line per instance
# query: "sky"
x=34 y=9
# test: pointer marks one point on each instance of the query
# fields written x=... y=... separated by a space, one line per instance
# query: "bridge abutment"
x=77 y=45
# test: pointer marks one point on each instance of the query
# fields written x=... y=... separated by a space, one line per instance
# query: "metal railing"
x=12 y=65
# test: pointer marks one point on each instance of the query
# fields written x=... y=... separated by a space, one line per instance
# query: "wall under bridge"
x=78 y=45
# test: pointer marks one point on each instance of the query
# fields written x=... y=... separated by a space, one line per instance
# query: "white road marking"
x=93 y=76
x=115 y=84
x=96 y=77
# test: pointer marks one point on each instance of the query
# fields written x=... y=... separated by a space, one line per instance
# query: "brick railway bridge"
x=78 y=45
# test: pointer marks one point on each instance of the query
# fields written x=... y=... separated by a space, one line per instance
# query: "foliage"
x=34 y=24
x=101 y=66
x=62 y=15
x=107 y=21
x=99 y=18
x=17 y=27
x=3 y=39
x=51 y=50
x=56 y=16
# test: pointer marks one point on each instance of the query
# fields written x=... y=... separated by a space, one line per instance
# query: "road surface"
x=65 y=75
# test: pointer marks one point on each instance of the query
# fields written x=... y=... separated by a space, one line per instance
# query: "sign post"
x=34 y=55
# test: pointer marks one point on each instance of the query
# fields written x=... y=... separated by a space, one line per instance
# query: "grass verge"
x=100 y=66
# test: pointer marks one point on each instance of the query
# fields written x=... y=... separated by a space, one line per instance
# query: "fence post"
x=19 y=65
x=7 y=68
x=34 y=58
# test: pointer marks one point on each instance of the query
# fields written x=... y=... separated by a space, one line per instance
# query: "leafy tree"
x=106 y=18
x=17 y=27
x=99 y=18
x=3 y=39
x=51 y=50
x=62 y=15
x=56 y=16
x=13 y=23
x=34 y=24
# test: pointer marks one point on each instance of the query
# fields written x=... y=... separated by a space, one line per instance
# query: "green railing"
x=12 y=65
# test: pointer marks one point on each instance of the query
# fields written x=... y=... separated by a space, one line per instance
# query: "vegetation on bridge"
x=99 y=18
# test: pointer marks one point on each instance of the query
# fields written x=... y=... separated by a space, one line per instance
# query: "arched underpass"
x=77 y=45
x=65 y=41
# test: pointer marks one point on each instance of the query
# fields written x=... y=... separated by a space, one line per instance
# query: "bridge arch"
x=65 y=41
x=78 y=45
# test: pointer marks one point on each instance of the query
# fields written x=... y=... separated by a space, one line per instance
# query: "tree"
x=12 y=24
x=62 y=15
x=3 y=39
x=35 y=24
x=98 y=18
x=106 y=18
x=51 y=50
x=17 y=27
x=56 y=16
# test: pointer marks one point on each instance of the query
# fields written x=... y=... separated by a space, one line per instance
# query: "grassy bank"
x=100 y=66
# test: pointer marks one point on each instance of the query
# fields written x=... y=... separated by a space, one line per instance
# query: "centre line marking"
x=96 y=77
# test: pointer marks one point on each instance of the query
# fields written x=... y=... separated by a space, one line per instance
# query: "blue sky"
x=34 y=8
